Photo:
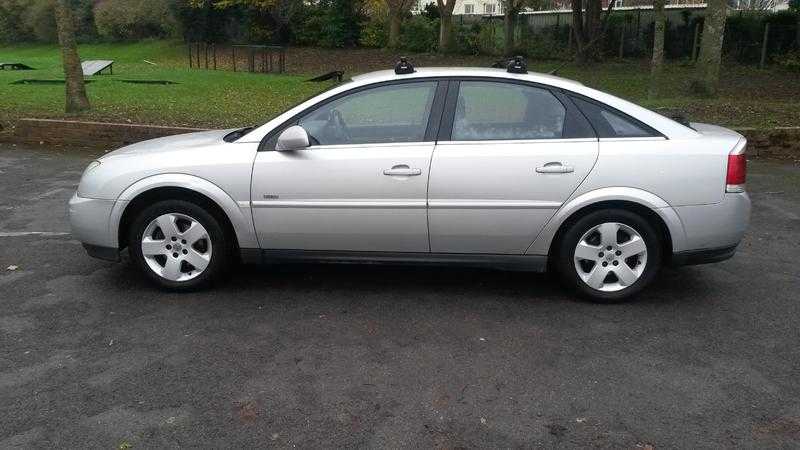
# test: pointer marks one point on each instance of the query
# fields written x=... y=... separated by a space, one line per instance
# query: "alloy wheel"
x=610 y=257
x=176 y=247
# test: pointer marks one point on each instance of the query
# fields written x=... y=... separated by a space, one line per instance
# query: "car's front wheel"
x=179 y=245
x=609 y=255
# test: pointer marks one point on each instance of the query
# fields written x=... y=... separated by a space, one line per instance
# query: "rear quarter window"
x=610 y=123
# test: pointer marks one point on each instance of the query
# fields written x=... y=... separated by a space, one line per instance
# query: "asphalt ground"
x=328 y=356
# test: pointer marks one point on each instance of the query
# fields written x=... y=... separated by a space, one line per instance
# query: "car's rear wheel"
x=179 y=245
x=609 y=255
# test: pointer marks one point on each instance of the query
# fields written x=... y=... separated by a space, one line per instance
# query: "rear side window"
x=488 y=110
x=609 y=123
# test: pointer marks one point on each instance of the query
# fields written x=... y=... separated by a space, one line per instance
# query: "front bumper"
x=89 y=221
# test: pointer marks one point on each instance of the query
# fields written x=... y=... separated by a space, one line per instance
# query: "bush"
x=790 y=61
x=34 y=20
x=475 y=39
x=134 y=19
x=329 y=23
x=374 y=34
x=419 y=34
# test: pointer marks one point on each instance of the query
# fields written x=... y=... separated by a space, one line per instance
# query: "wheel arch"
x=651 y=207
x=183 y=187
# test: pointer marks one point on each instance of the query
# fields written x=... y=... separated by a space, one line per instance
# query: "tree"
x=794 y=5
x=445 y=24
x=397 y=10
x=511 y=9
x=589 y=29
x=657 y=63
x=73 y=73
x=706 y=76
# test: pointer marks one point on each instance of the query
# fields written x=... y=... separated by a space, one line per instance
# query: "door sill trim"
x=532 y=263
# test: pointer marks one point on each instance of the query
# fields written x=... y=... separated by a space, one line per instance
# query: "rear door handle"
x=402 y=170
x=555 y=167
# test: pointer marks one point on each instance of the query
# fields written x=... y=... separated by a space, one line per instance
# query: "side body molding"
x=242 y=221
x=541 y=245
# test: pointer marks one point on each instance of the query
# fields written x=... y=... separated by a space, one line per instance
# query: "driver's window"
x=384 y=114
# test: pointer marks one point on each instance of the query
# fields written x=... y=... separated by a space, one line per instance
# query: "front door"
x=361 y=185
x=514 y=155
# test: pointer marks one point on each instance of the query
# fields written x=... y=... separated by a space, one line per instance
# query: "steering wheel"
x=340 y=127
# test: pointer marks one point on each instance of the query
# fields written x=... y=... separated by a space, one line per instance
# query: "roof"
x=427 y=72
x=665 y=126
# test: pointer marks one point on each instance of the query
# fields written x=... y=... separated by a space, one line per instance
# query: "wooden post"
x=696 y=41
x=622 y=42
x=764 y=46
x=569 y=38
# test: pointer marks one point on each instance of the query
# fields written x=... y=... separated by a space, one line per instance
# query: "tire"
x=175 y=258
x=632 y=263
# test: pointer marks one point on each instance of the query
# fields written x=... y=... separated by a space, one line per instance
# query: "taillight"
x=737 y=172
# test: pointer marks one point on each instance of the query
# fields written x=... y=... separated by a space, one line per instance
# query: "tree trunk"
x=395 y=17
x=589 y=28
x=445 y=32
x=509 y=21
x=706 y=77
x=578 y=34
x=657 y=64
x=73 y=74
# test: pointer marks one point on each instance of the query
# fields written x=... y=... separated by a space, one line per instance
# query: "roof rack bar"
x=403 y=67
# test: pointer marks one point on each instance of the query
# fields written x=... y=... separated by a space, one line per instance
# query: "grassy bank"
x=198 y=97
x=749 y=97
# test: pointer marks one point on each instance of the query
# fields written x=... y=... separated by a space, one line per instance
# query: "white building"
x=478 y=7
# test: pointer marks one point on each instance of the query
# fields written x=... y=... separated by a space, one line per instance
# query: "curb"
x=82 y=134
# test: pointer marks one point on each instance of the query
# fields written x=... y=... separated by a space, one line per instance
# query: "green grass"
x=200 y=98
x=749 y=97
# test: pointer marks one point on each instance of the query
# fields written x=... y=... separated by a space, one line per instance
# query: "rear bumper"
x=717 y=226
x=704 y=256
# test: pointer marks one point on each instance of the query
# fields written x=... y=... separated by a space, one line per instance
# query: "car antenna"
x=558 y=67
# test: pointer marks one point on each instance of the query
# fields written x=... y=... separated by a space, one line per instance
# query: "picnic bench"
x=15 y=66
x=94 y=67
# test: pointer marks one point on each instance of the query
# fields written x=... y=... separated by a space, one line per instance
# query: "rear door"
x=509 y=154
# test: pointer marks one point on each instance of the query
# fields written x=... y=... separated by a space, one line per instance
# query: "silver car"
x=468 y=166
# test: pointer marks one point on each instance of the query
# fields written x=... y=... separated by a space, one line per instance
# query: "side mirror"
x=292 y=138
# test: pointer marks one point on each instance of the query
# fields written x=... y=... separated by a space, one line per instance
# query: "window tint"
x=612 y=124
x=494 y=110
x=384 y=114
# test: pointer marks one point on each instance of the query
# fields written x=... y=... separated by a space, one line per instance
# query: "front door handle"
x=555 y=167
x=402 y=170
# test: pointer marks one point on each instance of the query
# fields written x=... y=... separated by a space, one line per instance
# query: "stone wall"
x=779 y=143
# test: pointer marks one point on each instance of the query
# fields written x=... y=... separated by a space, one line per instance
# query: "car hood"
x=171 y=143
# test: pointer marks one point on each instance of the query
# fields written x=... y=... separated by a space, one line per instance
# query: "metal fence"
x=750 y=36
